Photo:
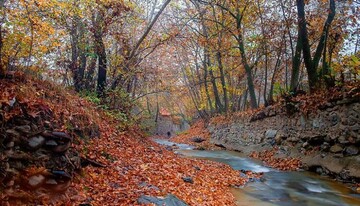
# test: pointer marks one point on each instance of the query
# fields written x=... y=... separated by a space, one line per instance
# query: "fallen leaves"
x=268 y=157
x=135 y=166
x=197 y=130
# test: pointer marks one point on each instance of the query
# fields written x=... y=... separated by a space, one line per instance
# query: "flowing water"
x=276 y=187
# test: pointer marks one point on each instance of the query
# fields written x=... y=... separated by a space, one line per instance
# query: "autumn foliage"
x=197 y=130
x=134 y=165
x=268 y=157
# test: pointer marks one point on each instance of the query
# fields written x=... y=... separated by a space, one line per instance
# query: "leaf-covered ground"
x=197 y=130
x=134 y=165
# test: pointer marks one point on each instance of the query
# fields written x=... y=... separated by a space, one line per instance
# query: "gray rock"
x=51 y=143
x=343 y=140
x=12 y=133
x=36 y=180
x=293 y=139
x=188 y=179
x=316 y=123
x=351 y=150
x=278 y=139
x=51 y=182
x=336 y=148
x=169 y=200
x=325 y=147
x=334 y=118
x=26 y=129
x=305 y=144
x=36 y=142
x=197 y=139
x=270 y=134
x=303 y=121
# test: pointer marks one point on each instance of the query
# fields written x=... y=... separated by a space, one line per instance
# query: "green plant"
x=91 y=97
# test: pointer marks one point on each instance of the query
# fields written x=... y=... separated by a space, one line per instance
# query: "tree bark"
x=250 y=81
x=101 y=54
x=311 y=64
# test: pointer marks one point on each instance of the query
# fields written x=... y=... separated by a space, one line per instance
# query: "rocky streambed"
x=274 y=187
x=326 y=140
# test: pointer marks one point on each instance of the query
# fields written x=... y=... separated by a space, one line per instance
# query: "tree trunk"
x=206 y=83
x=312 y=64
x=89 y=84
x=223 y=82
x=248 y=69
x=296 y=62
x=74 y=39
x=2 y=68
x=100 y=52
x=218 y=104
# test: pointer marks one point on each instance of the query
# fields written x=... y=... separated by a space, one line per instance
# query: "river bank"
x=323 y=137
x=273 y=187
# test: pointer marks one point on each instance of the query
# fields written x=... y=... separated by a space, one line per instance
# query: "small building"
x=169 y=125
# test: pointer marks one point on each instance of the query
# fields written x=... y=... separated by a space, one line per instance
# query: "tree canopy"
x=202 y=56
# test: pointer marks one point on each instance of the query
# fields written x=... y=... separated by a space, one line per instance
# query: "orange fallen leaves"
x=135 y=165
x=268 y=157
x=198 y=129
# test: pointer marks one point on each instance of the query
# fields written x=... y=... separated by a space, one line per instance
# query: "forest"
x=135 y=63
x=191 y=56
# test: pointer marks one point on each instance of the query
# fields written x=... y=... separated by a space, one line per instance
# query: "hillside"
x=122 y=165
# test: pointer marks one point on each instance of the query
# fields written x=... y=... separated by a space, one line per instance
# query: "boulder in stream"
x=169 y=200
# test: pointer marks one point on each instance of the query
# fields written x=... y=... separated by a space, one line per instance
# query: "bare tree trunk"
x=100 y=52
x=2 y=67
x=312 y=63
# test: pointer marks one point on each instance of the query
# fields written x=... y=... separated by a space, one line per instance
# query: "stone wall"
x=331 y=133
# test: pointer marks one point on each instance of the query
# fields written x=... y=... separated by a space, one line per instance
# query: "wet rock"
x=188 y=179
x=351 y=150
x=51 y=143
x=344 y=175
x=169 y=200
x=36 y=180
x=197 y=139
x=36 y=142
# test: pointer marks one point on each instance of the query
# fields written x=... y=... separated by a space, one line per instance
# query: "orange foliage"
x=268 y=157
x=134 y=165
x=198 y=129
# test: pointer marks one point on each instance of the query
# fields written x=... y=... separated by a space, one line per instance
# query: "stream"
x=276 y=187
